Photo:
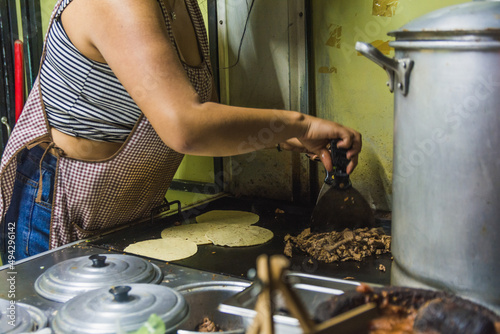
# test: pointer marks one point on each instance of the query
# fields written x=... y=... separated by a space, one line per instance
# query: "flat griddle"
x=237 y=261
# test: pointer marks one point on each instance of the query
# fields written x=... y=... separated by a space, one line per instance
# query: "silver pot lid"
x=20 y=318
x=120 y=309
x=69 y=278
x=471 y=18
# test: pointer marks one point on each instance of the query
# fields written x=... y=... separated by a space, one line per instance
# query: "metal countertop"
x=26 y=272
x=210 y=264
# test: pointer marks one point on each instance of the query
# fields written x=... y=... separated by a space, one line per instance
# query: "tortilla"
x=239 y=235
x=166 y=249
x=209 y=221
x=191 y=232
x=228 y=217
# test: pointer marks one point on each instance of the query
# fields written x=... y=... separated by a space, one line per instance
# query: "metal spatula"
x=339 y=205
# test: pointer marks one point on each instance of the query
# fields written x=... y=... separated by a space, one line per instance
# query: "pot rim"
x=475 y=18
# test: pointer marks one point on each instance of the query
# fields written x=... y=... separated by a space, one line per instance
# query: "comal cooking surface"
x=236 y=261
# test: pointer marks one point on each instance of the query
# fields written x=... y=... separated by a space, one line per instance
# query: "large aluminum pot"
x=446 y=183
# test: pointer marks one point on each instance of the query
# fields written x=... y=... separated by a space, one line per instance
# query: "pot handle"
x=6 y=123
x=398 y=70
x=121 y=293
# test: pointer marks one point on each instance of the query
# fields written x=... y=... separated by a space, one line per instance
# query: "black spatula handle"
x=338 y=175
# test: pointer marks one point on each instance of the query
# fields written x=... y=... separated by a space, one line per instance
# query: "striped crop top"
x=83 y=97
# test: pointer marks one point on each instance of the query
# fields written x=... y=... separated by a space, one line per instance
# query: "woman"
x=125 y=90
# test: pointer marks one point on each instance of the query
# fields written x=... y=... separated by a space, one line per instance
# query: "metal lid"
x=20 y=318
x=69 y=278
x=120 y=309
x=475 y=17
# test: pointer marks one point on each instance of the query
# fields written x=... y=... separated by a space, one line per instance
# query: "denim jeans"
x=31 y=220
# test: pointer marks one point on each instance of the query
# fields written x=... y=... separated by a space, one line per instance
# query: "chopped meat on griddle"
x=339 y=246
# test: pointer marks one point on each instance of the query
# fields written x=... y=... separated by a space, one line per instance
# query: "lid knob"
x=98 y=261
x=121 y=293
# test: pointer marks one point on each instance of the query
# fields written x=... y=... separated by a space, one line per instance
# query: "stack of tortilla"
x=219 y=227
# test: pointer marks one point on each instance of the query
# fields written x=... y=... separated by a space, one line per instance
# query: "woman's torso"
x=92 y=120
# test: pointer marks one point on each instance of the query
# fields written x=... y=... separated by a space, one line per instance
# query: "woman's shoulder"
x=113 y=8
x=99 y=13
x=87 y=21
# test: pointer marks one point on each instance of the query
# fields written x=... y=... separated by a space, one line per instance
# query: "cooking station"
x=236 y=261
x=444 y=207
x=211 y=263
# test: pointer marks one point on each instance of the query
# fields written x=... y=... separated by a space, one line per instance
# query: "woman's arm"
x=131 y=37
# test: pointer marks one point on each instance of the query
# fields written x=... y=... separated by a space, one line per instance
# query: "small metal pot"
x=446 y=183
x=20 y=318
x=204 y=299
x=120 y=309
x=69 y=278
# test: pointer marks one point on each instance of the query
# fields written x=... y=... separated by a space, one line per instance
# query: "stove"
x=280 y=217
x=223 y=265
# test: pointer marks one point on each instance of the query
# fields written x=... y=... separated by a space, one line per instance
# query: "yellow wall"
x=351 y=89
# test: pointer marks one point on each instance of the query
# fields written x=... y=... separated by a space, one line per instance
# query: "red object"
x=19 y=77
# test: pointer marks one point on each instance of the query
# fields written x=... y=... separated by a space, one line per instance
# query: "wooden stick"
x=271 y=273
x=352 y=321
x=263 y=321
x=278 y=265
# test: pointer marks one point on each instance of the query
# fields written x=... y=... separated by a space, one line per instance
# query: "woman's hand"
x=315 y=142
x=293 y=144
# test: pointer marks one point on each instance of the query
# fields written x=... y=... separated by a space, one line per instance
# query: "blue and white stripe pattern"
x=83 y=97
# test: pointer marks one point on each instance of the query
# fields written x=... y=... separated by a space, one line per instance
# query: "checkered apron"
x=91 y=197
